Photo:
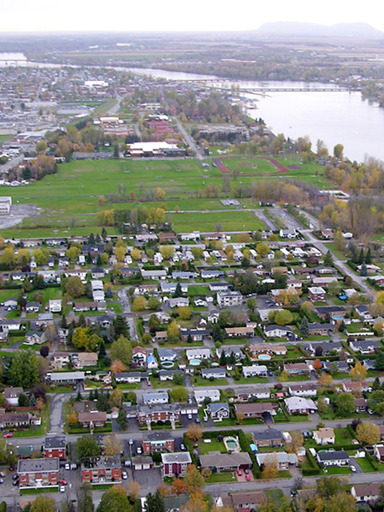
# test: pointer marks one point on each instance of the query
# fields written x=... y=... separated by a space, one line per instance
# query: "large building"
x=38 y=472
x=5 y=205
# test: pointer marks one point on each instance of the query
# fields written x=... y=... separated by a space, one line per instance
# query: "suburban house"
x=324 y=436
x=213 y=373
x=198 y=353
x=283 y=459
x=335 y=458
x=233 y=332
x=166 y=354
x=202 y=394
x=14 y=419
x=55 y=447
x=159 y=397
x=379 y=452
x=300 y=405
x=148 y=414
x=104 y=471
x=316 y=294
x=34 y=337
x=195 y=334
x=317 y=329
x=367 y=492
x=244 y=501
x=256 y=370
x=84 y=359
x=38 y=473
x=129 y=377
x=139 y=356
x=296 y=368
x=11 y=395
x=218 y=410
x=260 y=392
x=226 y=461
x=228 y=350
x=274 y=350
x=255 y=410
x=364 y=346
x=158 y=442
x=175 y=464
x=229 y=299
x=269 y=437
x=356 y=387
x=305 y=390
x=277 y=331
x=55 y=306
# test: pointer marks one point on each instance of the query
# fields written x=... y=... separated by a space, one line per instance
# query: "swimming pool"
x=231 y=444
x=194 y=362
x=264 y=357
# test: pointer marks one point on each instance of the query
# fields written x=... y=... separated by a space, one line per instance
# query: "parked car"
x=139 y=450
x=248 y=478
x=353 y=469
x=189 y=416
x=62 y=488
x=197 y=420
x=182 y=447
x=239 y=472
x=246 y=471
x=63 y=482
x=67 y=466
x=1 y=480
x=8 y=434
x=124 y=474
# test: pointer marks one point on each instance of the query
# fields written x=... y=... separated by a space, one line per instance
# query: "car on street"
x=1 y=480
x=67 y=466
x=124 y=474
x=63 y=482
x=62 y=488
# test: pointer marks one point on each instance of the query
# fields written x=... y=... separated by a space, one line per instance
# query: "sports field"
x=69 y=200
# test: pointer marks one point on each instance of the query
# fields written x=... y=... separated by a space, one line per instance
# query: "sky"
x=178 y=15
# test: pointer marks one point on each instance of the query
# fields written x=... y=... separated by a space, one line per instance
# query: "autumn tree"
x=184 y=312
x=193 y=478
x=358 y=372
x=140 y=303
x=296 y=443
x=173 y=331
x=167 y=251
x=368 y=433
x=117 y=366
x=178 y=486
x=133 y=490
x=72 y=418
x=270 y=468
x=194 y=432
x=317 y=364
x=325 y=380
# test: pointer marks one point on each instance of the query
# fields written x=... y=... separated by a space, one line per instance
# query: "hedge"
x=315 y=470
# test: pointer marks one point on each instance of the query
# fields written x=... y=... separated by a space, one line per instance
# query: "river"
x=334 y=117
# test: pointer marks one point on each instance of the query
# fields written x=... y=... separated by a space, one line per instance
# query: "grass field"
x=69 y=200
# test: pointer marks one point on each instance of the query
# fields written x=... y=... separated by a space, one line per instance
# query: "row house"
x=162 y=412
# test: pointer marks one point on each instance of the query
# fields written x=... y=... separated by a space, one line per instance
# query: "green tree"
x=74 y=287
x=376 y=402
x=85 y=503
x=114 y=499
x=345 y=404
x=24 y=370
x=140 y=303
x=338 y=151
x=262 y=249
x=43 y=503
x=87 y=447
x=80 y=337
x=327 y=487
x=41 y=256
x=7 y=258
x=179 y=394
x=304 y=328
x=122 y=419
x=121 y=349
x=120 y=326
x=173 y=331
x=155 y=502
x=328 y=259
x=368 y=433
x=154 y=303
x=194 y=479
x=283 y=317
x=251 y=304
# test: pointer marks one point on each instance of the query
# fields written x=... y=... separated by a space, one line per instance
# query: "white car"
x=124 y=475
x=139 y=450
x=62 y=488
x=353 y=469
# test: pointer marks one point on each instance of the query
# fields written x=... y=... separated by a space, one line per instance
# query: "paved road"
x=127 y=313
x=190 y=141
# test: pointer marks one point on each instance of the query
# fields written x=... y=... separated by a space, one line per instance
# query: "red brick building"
x=159 y=412
x=105 y=470
x=158 y=442
x=55 y=447
x=38 y=472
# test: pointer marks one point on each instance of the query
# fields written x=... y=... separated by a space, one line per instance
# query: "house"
x=283 y=459
x=160 y=441
x=175 y=464
x=322 y=348
x=34 y=337
x=139 y=356
x=277 y=331
x=177 y=302
x=166 y=354
x=305 y=390
x=65 y=377
x=32 y=307
x=14 y=419
x=159 y=397
x=106 y=470
x=97 y=273
x=170 y=287
x=369 y=493
x=201 y=394
x=230 y=351
x=218 y=410
x=10 y=324
x=233 y=332
x=256 y=370
x=198 y=353
x=40 y=473
x=244 y=501
x=317 y=329
x=255 y=410
x=129 y=377
x=92 y=419
x=213 y=373
x=195 y=334
x=148 y=414
x=333 y=458
x=260 y=392
x=11 y=395
x=356 y=387
x=361 y=405
x=300 y=405
x=364 y=346
x=60 y=359
x=55 y=447
x=269 y=437
x=167 y=375
x=316 y=294
x=152 y=363
x=211 y=274
x=44 y=319
x=226 y=461
x=288 y=233
x=229 y=299
x=324 y=436
x=273 y=350
x=10 y=303
x=84 y=359
x=55 y=306
x=296 y=368
x=184 y=276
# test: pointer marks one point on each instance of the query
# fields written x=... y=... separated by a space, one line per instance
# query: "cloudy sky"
x=178 y=15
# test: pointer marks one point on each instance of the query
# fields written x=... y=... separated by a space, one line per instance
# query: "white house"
x=202 y=394
x=198 y=353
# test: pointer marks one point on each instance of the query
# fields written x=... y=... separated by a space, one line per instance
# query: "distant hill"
x=285 y=28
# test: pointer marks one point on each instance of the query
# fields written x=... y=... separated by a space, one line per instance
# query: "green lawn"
x=221 y=477
x=213 y=446
x=251 y=380
x=200 y=381
x=41 y=430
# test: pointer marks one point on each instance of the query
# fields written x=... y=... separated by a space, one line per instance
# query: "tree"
x=178 y=379
x=284 y=376
x=251 y=304
x=193 y=478
x=262 y=249
x=74 y=287
x=85 y=503
x=173 y=331
x=194 y=432
x=41 y=256
x=167 y=251
x=7 y=258
x=86 y=447
x=358 y=372
x=117 y=366
x=179 y=394
x=44 y=351
x=43 y=503
x=334 y=288
x=328 y=259
x=283 y=317
x=122 y=419
x=178 y=486
x=112 y=445
x=184 y=312
x=23 y=257
x=328 y=487
x=304 y=328
x=338 y=151
x=270 y=468
x=121 y=349
x=322 y=405
x=133 y=490
x=114 y=499
x=325 y=380
x=24 y=370
x=296 y=443
x=341 y=502
x=368 y=433
x=345 y=404
x=155 y=502
x=120 y=326
x=135 y=254
x=120 y=253
x=73 y=253
x=73 y=418
x=140 y=303
x=80 y=337
x=154 y=303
